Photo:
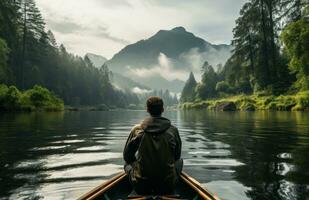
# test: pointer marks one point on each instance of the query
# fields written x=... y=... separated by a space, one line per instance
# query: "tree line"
x=270 y=54
x=30 y=55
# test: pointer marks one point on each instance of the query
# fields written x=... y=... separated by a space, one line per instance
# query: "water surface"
x=237 y=155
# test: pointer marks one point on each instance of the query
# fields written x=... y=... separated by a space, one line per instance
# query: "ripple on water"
x=285 y=155
x=72 y=135
x=284 y=168
x=99 y=128
x=217 y=145
x=91 y=148
x=212 y=153
x=78 y=158
x=232 y=189
x=55 y=191
x=67 y=141
x=108 y=137
x=212 y=162
x=288 y=190
x=221 y=134
x=85 y=171
x=49 y=148
x=58 y=160
x=111 y=142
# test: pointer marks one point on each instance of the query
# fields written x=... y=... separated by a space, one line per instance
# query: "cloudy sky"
x=106 y=26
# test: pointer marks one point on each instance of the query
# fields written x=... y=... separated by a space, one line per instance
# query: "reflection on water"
x=238 y=155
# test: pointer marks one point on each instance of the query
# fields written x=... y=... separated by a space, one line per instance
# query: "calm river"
x=237 y=155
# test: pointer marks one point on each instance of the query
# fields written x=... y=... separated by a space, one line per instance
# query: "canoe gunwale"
x=195 y=185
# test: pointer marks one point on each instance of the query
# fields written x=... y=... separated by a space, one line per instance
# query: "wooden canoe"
x=119 y=188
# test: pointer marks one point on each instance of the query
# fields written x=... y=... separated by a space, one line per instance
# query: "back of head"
x=155 y=106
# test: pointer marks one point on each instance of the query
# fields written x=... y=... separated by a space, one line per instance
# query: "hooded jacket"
x=152 y=149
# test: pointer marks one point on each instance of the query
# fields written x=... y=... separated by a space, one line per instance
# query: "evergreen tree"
x=51 y=39
x=292 y=11
x=188 y=93
x=257 y=48
x=9 y=31
x=5 y=73
x=207 y=87
x=32 y=26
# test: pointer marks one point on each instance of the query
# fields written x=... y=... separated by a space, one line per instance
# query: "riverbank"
x=297 y=102
x=35 y=99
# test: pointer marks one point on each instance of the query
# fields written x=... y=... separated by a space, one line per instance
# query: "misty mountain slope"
x=165 y=59
x=173 y=43
x=119 y=81
x=158 y=83
x=125 y=83
x=144 y=53
x=96 y=60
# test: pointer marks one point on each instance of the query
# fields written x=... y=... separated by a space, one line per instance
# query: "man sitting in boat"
x=152 y=153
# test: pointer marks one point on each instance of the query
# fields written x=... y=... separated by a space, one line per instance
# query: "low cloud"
x=165 y=68
x=65 y=27
x=190 y=61
x=113 y=3
x=138 y=90
x=103 y=32
x=195 y=59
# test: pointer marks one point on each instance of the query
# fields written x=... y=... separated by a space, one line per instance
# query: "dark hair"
x=155 y=105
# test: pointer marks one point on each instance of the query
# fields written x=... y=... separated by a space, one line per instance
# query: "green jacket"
x=152 y=148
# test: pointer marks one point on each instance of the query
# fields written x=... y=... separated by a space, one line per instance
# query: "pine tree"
x=188 y=92
x=51 y=39
x=9 y=31
x=32 y=27
x=256 y=61
x=207 y=87
x=5 y=72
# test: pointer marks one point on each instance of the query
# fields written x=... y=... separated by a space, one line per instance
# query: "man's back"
x=152 y=151
x=158 y=146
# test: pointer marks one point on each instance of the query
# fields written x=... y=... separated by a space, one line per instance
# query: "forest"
x=269 y=66
x=30 y=55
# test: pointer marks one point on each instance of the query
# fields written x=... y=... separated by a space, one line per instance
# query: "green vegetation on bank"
x=297 y=102
x=35 y=99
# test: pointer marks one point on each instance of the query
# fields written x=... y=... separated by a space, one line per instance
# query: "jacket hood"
x=155 y=124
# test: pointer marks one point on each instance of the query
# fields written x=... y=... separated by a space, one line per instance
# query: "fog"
x=190 y=61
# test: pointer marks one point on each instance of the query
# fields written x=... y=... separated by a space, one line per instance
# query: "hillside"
x=169 y=55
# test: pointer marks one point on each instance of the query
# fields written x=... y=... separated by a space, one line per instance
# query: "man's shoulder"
x=137 y=129
x=173 y=128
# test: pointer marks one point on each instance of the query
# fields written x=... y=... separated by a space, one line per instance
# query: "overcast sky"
x=106 y=26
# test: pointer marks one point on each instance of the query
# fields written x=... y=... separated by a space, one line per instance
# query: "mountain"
x=119 y=81
x=165 y=59
x=96 y=60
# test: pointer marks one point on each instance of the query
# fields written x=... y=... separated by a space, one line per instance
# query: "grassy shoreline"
x=297 y=102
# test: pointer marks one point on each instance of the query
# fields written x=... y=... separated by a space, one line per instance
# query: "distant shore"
x=297 y=102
